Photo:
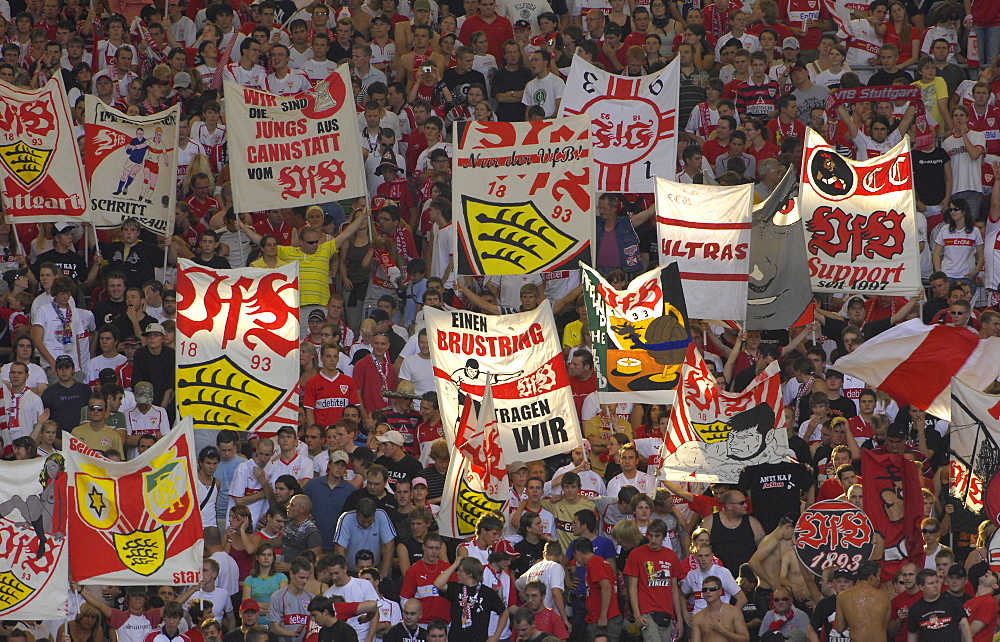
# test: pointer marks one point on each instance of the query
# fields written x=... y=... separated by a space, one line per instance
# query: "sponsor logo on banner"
x=39 y=158
x=288 y=151
x=834 y=533
x=527 y=201
x=118 y=538
x=131 y=164
x=237 y=333
x=859 y=221
x=34 y=568
x=633 y=123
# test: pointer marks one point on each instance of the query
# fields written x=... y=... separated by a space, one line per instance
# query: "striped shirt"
x=314 y=271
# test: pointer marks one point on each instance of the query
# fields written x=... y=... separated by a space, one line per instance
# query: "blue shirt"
x=353 y=538
x=603 y=547
x=224 y=473
x=329 y=503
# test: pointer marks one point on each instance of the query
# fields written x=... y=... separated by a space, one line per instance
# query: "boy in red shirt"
x=652 y=573
x=603 y=615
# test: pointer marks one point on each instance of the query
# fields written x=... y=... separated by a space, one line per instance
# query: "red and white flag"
x=714 y=434
x=706 y=229
x=913 y=363
x=40 y=168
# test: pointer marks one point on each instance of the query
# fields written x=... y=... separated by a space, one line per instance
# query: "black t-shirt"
x=471 y=607
x=800 y=448
x=883 y=78
x=821 y=620
x=932 y=307
x=216 y=262
x=458 y=84
x=399 y=633
x=530 y=553
x=139 y=263
x=387 y=503
x=340 y=632
x=64 y=404
x=406 y=468
x=928 y=175
x=505 y=80
x=935 y=441
x=775 y=490
x=842 y=407
x=113 y=312
x=157 y=369
x=937 y=621
x=71 y=263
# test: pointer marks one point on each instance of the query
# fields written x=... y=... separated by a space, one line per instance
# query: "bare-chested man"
x=864 y=609
x=718 y=621
x=766 y=562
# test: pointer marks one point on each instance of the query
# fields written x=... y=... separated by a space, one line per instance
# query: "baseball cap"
x=790 y=43
x=612 y=27
x=418 y=481
x=340 y=456
x=65 y=360
x=895 y=431
x=834 y=373
x=504 y=546
x=12 y=275
x=131 y=340
x=378 y=315
x=798 y=67
x=843 y=573
x=379 y=202
x=422 y=5
x=392 y=437
x=103 y=78
x=182 y=80
x=317 y=314
x=448 y=34
x=522 y=24
x=63 y=227
x=515 y=466
x=143 y=392
x=153 y=327
x=957 y=570
x=249 y=605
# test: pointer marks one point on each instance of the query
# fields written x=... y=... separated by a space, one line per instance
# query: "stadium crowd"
x=335 y=519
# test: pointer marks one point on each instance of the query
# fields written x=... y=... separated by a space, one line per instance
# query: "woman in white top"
x=958 y=245
x=966 y=149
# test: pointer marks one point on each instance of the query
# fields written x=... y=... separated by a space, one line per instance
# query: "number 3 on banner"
x=260 y=363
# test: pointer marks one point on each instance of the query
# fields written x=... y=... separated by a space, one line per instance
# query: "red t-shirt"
x=984 y=609
x=419 y=583
x=712 y=150
x=903 y=601
x=328 y=397
x=769 y=150
x=656 y=572
x=580 y=391
x=546 y=621
x=598 y=569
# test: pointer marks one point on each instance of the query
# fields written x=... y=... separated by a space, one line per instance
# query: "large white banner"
x=288 y=151
x=520 y=354
x=527 y=196
x=633 y=123
x=975 y=450
x=34 y=555
x=136 y=522
x=40 y=168
x=860 y=220
x=238 y=347
x=706 y=230
x=131 y=166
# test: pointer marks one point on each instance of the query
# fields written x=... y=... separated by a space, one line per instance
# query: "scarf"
x=223 y=61
x=803 y=389
x=892 y=93
x=781 y=620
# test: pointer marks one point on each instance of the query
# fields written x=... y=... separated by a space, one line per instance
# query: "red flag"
x=894 y=502
x=478 y=440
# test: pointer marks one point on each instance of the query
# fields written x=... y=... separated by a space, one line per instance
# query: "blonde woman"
x=199 y=165
x=315 y=217
x=308 y=363
x=983 y=537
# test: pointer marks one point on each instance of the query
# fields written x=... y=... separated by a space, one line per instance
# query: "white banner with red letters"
x=860 y=220
x=975 y=450
x=521 y=355
x=131 y=166
x=136 y=522
x=288 y=151
x=633 y=123
x=714 y=434
x=706 y=230
x=238 y=347
x=39 y=158
x=527 y=201
x=34 y=553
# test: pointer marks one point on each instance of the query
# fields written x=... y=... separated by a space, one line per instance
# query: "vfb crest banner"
x=131 y=522
x=527 y=198
x=238 y=347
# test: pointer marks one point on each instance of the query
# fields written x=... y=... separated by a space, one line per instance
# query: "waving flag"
x=640 y=334
x=136 y=522
x=706 y=230
x=914 y=363
x=527 y=196
x=975 y=450
x=633 y=123
x=894 y=503
x=40 y=166
x=34 y=566
x=714 y=434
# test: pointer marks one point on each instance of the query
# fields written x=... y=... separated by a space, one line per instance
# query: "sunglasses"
x=742 y=503
x=97 y=408
x=928 y=531
x=711 y=589
x=781 y=599
x=311 y=242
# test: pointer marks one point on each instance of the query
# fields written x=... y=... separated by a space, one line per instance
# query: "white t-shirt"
x=295 y=81
x=863 y=44
x=29 y=406
x=444 y=238
x=645 y=482
x=356 y=590
x=552 y=574
x=300 y=467
x=154 y=422
x=77 y=344
x=958 y=256
x=545 y=92
x=748 y=41
x=869 y=148
x=991 y=255
x=419 y=372
x=591 y=484
x=966 y=174
x=245 y=483
x=36 y=375
x=692 y=585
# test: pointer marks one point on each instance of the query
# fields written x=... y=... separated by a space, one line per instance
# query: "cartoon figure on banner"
x=467 y=380
x=729 y=445
x=833 y=176
x=665 y=338
x=155 y=155
x=45 y=512
x=893 y=506
x=135 y=154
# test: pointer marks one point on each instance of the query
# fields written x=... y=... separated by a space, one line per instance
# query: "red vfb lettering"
x=852 y=530
x=836 y=232
x=815 y=531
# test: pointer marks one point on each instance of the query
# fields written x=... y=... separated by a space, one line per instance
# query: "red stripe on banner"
x=620 y=87
x=612 y=177
x=699 y=225
x=921 y=377
x=705 y=276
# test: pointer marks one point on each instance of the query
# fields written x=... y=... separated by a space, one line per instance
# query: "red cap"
x=504 y=546
x=249 y=605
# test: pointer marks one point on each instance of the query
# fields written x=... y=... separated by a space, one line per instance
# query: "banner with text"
x=706 y=230
x=975 y=450
x=136 y=522
x=39 y=157
x=238 y=347
x=860 y=225
x=527 y=198
x=640 y=335
x=714 y=434
x=34 y=557
x=521 y=356
x=633 y=123
x=131 y=166
x=288 y=151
